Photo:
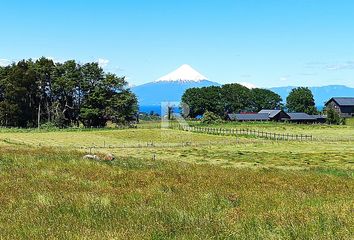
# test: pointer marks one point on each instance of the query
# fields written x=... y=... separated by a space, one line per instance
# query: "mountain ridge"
x=321 y=93
x=154 y=93
x=170 y=88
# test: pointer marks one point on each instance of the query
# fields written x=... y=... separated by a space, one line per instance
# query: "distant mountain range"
x=171 y=87
x=321 y=94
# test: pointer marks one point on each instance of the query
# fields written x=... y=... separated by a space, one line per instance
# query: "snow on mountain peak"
x=184 y=73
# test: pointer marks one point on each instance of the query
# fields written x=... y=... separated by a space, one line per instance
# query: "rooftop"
x=250 y=117
x=271 y=113
x=301 y=116
x=343 y=101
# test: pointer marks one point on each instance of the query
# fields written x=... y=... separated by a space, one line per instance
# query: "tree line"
x=63 y=94
x=235 y=98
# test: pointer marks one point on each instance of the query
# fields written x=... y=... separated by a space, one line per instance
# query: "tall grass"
x=47 y=193
x=350 y=121
x=257 y=189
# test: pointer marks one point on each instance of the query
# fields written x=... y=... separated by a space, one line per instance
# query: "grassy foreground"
x=249 y=189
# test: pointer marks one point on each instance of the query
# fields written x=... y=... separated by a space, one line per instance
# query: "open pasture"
x=109 y=138
x=212 y=187
x=167 y=144
x=48 y=193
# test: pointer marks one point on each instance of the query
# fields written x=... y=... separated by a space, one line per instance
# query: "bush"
x=333 y=117
x=210 y=118
x=343 y=121
x=49 y=126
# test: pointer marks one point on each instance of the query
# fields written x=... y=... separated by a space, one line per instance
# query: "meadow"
x=171 y=184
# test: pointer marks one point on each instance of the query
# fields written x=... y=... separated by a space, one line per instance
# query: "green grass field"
x=169 y=184
x=350 y=122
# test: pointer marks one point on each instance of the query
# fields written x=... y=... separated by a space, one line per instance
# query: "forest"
x=36 y=92
x=235 y=98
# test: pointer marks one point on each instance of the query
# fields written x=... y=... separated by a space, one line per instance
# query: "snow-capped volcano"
x=184 y=73
x=171 y=87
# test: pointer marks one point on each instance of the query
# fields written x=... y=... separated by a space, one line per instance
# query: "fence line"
x=247 y=132
x=236 y=132
x=171 y=145
x=260 y=134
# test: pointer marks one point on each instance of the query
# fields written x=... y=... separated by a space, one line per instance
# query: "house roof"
x=250 y=117
x=343 y=101
x=272 y=113
x=318 y=116
x=301 y=116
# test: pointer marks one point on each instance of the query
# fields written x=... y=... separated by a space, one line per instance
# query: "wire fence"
x=184 y=144
x=106 y=145
x=251 y=132
x=245 y=132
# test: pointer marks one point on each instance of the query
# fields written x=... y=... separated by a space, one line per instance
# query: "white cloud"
x=248 y=85
x=4 y=62
x=131 y=85
x=284 y=78
x=340 y=66
x=246 y=76
x=56 y=60
x=102 y=62
x=331 y=66
x=308 y=74
x=314 y=64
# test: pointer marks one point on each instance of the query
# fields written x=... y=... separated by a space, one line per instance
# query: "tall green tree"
x=67 y=93
x=200 y=100
x=44 y=70
x=93 y=101
x=193 y=98
x=230 y=98
x=123 y=104
x=212 y=98
x=19 y=95
x=105 y=98
x=236 y=98
x=264 y=99
x=301 y=100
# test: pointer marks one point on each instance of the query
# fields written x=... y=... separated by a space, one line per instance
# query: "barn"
x=300 y=117
x=244 y=117
x=343 y=105
x=275 y=115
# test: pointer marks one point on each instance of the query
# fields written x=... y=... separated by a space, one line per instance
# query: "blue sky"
x=265 y=42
